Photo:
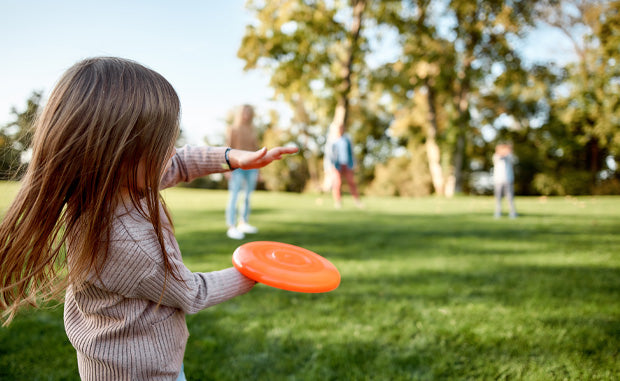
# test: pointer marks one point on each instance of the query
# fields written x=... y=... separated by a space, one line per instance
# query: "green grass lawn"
x=431 y=289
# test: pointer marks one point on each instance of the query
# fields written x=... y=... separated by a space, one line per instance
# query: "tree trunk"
x=456 y=183
x=342 y=108
x=433 y=152
x=459 y=159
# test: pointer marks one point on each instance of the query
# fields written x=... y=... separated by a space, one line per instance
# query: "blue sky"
x=191 y=43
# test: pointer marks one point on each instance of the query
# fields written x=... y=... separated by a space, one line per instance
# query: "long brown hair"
x=106 y=118
x=241 y=134
x=243 y=116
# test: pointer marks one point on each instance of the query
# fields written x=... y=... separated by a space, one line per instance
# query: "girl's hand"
x=258 y=159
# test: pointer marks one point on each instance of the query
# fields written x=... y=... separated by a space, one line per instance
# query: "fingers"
x=262 y=157
x=279 y=151
x=288 y=150
x=261 y=152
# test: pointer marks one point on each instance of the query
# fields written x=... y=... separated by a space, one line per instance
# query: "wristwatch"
x=227 y=165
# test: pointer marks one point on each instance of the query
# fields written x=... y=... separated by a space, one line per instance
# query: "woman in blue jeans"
x=241 y=135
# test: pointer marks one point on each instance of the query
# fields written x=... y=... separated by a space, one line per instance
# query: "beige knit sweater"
x=114 y=323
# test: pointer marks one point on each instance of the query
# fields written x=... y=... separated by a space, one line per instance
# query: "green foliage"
x=405 y=176
x=571 y=183
x=15 y=138
x=302 y=46
x=431 y=289
x=577 y=142
x=452 y=58
x=458 y=83
x=306 y=48
x=284 y=175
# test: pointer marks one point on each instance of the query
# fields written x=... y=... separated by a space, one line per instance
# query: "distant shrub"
x=572 y=182
x=405 y=175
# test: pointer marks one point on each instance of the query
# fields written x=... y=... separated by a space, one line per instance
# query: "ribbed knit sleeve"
x=191 y=162
x=135 y=269
x=199 y=291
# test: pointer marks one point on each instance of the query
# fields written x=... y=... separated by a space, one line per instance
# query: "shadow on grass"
x=510 y=285
x=485 y=320
x=384 y=236
x=423 y=296
x=424 y=326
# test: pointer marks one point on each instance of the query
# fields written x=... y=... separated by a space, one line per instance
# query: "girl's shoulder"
x=133 y=233
x=132 y=224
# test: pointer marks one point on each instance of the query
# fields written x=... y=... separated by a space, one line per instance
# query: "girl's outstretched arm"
x=191 y=162
x=258 y=159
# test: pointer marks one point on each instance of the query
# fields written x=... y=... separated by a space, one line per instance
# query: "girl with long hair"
x=89 y=221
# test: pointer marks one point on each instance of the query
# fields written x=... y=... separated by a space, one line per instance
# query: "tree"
x=16 y=137
x=315 y=53
x=586 y=119
x=452 y=51
x=456 y=85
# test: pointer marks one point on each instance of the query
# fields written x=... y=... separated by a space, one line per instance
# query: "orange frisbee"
x=285 y=266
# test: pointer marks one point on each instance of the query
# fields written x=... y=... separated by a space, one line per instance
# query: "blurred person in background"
x=241 y=135
x=340 y=152
x=503 y=176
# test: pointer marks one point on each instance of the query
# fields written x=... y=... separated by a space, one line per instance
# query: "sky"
x=192 y=43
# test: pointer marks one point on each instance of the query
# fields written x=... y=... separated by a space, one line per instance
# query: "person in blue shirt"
x=503 y=176
x=340 y=153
